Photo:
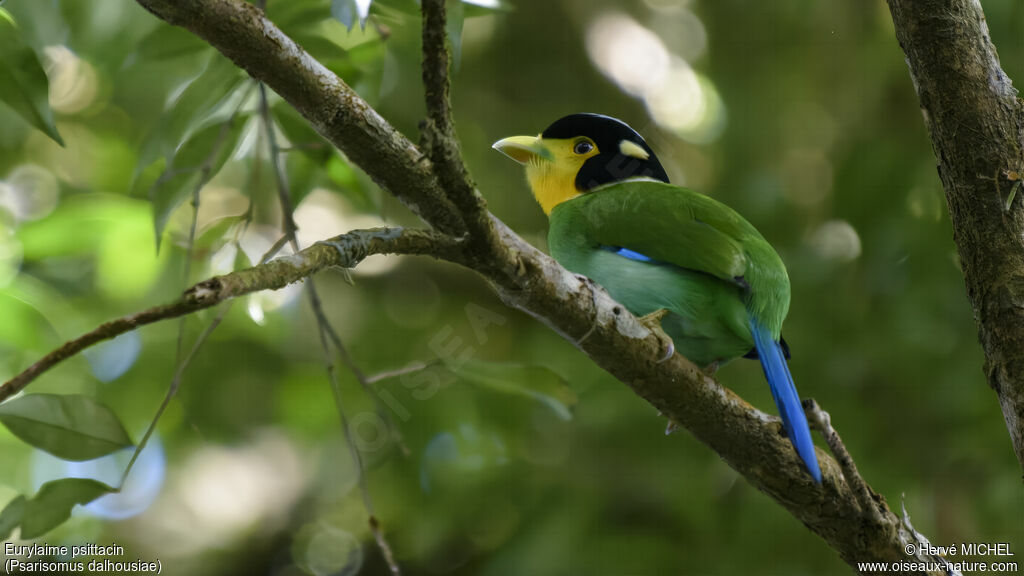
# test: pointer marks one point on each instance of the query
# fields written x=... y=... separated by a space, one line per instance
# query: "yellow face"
x=551 y=165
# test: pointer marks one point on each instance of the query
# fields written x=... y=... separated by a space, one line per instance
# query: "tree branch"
x=442 y=144
x=750 y=441
x=977 y=130
x=346 y=251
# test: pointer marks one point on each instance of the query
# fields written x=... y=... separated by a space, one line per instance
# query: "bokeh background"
x=526 y=459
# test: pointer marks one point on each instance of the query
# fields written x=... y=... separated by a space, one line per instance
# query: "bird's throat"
x=551 y=185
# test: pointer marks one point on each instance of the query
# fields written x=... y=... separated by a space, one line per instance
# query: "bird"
x=691 y=267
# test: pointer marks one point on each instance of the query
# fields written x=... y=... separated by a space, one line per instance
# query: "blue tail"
x=786 y=399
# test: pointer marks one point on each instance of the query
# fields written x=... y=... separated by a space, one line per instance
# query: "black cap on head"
x=610 y=165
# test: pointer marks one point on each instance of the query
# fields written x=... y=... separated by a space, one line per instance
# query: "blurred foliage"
x=800 y=115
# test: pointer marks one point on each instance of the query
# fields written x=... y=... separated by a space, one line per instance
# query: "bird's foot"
x=593 y=302
x=710 y=369
x=653 y=323
x=672 y=427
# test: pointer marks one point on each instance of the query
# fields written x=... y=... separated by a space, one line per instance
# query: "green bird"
x=667 y=253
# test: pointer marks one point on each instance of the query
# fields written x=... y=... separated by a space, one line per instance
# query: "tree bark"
x=976 y=125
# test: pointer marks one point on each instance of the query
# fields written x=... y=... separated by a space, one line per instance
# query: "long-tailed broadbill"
x=667 y=253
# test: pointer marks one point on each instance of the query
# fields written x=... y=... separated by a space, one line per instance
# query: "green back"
x=678 y=226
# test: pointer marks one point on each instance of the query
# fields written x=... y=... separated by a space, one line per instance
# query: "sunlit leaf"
x=11 y=517
x=344 y=11
x=23 y=83
x=201 y=156
x=72 y=427
x=52 y=505
x=535 y=382
x=363 y=9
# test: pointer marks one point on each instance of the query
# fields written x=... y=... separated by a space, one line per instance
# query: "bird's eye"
x=582 y=147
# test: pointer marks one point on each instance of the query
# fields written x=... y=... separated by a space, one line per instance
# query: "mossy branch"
x=976 y=123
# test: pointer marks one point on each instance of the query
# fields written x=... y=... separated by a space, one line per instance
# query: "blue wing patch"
x=629 y=254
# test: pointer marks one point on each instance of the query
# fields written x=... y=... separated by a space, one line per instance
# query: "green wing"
x=669 y=224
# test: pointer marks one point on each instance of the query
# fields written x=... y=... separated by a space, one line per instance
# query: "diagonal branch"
x=976 y=122
x=346 y=251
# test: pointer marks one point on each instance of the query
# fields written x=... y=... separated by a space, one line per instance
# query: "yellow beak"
x=523 y=149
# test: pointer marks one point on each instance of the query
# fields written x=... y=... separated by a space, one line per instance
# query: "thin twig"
x=442 y=144
x=365 y=384
x=288 y=223
x=173 y=389
x=325 y=329
x=823 y=422
x=410 y=369
x=345 y=250
x=364 y=488
x=283 y=192
x=275 y=248
x=182 y=360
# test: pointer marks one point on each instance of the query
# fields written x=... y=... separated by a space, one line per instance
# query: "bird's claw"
x=653 y=323
x=593 y=301
x=671 y=427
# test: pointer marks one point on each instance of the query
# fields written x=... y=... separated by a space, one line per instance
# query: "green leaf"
x=301 y=136
x=216 y=235
x=11 y=517
x=52 y=505
x=72 y=427
x=193 y=108
x=293 y=16
x=168 y=41
x=353 y=185
x=407 y=7
x=241 y=260
x=209 y=148
x=534 y=382
x=23 y=83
